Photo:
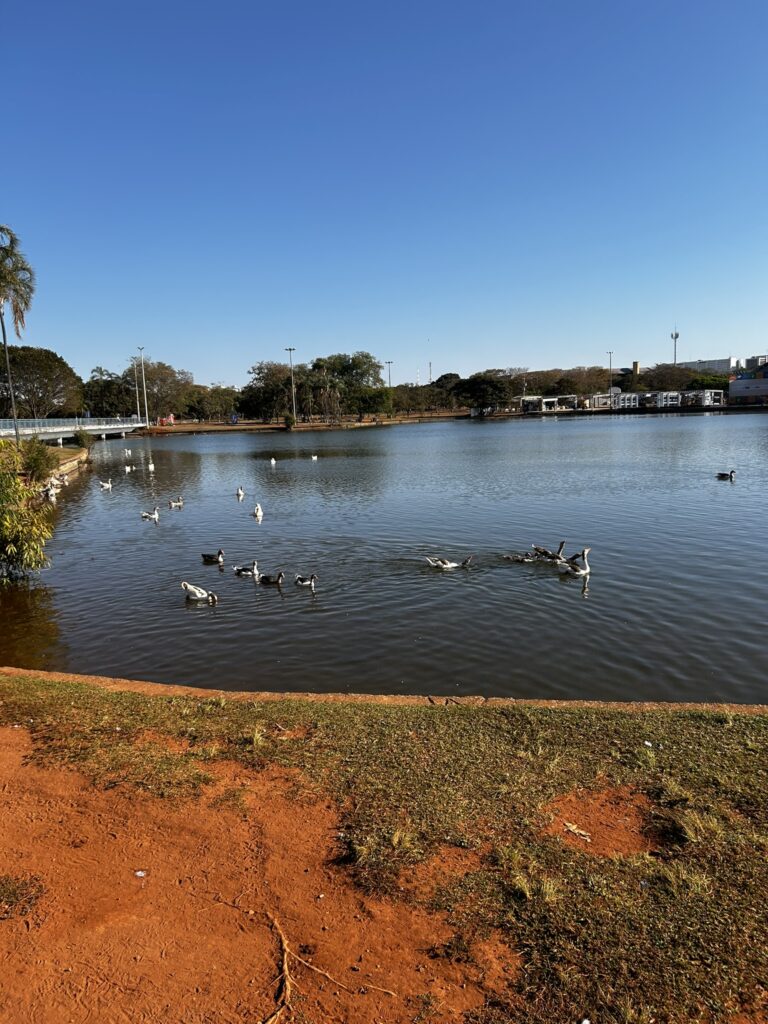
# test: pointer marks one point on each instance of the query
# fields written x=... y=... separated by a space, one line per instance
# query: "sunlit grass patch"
x=18 y=895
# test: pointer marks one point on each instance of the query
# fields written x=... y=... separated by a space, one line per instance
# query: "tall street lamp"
x=136 y=384
x=290 y=352
x=674 y=336
x=389 y=370
x=144 y=385
x=610 y=377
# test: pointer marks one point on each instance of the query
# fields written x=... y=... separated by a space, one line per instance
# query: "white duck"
x=273 y=460
x=154 y=515
x=444 y=563
x=106 y=485
x=126 y=452
x=571 y=567
x=151 y=467
x=239 y=493
x=198 y=593
x=314 y=458
x=258 y=512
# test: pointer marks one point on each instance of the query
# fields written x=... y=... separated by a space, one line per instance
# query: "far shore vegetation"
x=674 y=934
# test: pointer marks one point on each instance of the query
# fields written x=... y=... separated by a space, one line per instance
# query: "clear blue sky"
x=475 y=184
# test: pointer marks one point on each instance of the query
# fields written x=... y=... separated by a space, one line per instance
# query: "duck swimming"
x=272 y=580
x=106 y=485
x=179 y=503
x=727 y=476
x=550 y=556
x=444 y=563
x=247 y=570
x=217 y=559
x=154 y=515
x=571 y=566
x=239 y=493
x=307 y=581
x=273 y=460
x=257 y=512
x=198 y=593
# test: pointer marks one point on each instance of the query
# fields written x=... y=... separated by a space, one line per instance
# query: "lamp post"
x=136 y=384
x=674 y=336
x=610 y=378
x=290 y=352
x=389 y=370
x=144 y=385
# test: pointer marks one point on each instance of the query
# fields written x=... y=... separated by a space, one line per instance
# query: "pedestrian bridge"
x=57 y=430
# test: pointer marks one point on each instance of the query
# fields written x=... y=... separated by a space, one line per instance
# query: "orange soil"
x=196 y=937
x=610 y=823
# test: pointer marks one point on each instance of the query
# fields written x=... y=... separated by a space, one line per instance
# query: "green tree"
x=665 y=377
x=168 y=389
x=267 y=395
x=25 y=525
x=44 y=382
x=108 y=394
x=17 y=286
x=485 y=391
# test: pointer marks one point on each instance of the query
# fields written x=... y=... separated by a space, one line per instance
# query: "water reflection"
x=31 y=635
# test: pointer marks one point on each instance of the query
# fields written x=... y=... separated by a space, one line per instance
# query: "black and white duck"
x=217 y=559
x=154 y=515
x=247 y=570
x=445 y=563
x=274 y=581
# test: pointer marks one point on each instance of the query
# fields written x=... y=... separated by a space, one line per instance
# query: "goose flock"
x=575 y=565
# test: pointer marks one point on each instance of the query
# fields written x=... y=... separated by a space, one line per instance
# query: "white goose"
x=126 y=452
x=444 y=563
x=154 y=515
x=314 y=458
x=198 y=593
x=571 y=566
x=258 y=512
x=106 y=485
x=273 y=460
x=151 y=467
x=239 y=493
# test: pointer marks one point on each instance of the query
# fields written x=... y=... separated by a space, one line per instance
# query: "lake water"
x=675 y=608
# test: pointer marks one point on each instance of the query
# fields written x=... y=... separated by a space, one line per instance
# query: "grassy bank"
x=673 y=932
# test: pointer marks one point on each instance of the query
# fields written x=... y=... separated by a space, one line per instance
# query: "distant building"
x=750 y=387
x=755 y=362
x=728 y=365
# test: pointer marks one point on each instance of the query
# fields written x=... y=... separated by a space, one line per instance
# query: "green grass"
x=18 y=895
x=678 y=937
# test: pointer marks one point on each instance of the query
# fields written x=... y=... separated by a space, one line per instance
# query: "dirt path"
x=171 y=912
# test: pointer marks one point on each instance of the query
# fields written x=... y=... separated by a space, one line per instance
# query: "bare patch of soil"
x=168 y=911
x=609 y=823
x=423 y=880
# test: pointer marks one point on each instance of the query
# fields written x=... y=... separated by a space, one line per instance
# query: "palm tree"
x=17 y=286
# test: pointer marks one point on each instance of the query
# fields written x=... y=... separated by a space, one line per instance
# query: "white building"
x=729 y=365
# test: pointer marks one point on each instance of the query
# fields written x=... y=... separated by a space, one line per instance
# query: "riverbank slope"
x=169 y=854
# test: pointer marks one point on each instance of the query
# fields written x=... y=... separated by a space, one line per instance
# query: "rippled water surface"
x=675 y=608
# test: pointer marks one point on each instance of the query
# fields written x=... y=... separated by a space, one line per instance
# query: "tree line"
x=328 y=388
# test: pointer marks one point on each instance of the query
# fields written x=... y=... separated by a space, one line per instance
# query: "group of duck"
x=575 y=565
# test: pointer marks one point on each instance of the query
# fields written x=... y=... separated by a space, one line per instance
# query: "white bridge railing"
x=55 y=428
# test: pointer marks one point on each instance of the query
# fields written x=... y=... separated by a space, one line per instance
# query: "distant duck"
x=314 y=458
x=273 y=460
x=50 y=494
x=126 y=452
x=550 y=556
x=151 y=467
x=307 y=581
x=239 y=493
x=257 y=512
x=247 y=570
x=179 y=503
x=128 y=469
x=106 y=485
x=272 y=580
x=444 y=563
x=217 y=559
x=571 y=566
x=727 y=476
x=198 y=594
x=154 y=515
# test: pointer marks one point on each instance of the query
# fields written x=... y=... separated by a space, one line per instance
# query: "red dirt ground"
x=614 y=822
x=195 y=938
